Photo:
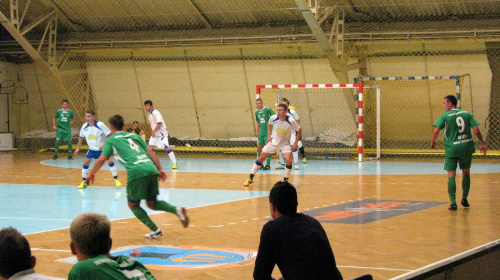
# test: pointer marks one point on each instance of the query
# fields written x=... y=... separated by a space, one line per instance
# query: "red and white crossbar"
x=359 y=87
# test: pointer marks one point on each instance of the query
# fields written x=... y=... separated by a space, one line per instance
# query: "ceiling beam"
x=336 y=63
x=51 y=72
x=200 y=14
x=61 y=15
x=39 y=21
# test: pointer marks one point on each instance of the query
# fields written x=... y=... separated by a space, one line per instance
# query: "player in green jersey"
x=91 y=242
x=458 y=146
x=61 y=123
x=262 y=115
x=143 y=169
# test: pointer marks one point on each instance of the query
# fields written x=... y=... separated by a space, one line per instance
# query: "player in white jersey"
x=295 y=153
x=94 y=132
x=282 y=125
x=159 y=134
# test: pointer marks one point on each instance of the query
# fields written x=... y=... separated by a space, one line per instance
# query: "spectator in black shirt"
x=297 y=243
x=136 y=130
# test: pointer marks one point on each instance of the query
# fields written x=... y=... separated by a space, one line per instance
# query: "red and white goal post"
x=332 y=116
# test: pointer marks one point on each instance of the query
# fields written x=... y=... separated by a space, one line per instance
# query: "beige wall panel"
x=318 y=71
x=272 y=72
x=213 y=52
x=115 y=89
x=480 y=77
x=397 y=66
x=222 y=99
x=47 y=99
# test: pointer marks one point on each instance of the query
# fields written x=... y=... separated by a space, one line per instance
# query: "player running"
x=143 y=170
x=94 y=132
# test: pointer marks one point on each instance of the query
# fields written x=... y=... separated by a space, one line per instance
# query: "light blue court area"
x=39 y=208
x=313 y=167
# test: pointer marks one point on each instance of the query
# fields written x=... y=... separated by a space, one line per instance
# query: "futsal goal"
x=409 y=106
x=331 y=117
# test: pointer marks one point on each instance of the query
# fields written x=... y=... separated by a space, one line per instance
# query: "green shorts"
x=142 y=188
x=262 y=139
x=63 y=135
x=464 y=161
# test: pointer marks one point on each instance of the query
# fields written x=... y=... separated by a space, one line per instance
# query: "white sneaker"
x=154 y=234
x=280 y=166
x=297 y=167
x=181 y=213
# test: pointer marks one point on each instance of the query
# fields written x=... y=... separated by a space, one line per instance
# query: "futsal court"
x=385 y=218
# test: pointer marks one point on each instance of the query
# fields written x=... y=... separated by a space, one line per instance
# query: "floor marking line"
x=376 y=268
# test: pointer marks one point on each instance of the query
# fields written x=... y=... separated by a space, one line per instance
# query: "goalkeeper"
x=262 y=115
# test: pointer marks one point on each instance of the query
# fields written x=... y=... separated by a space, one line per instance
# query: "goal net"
x=331 y=116
x=409 y=106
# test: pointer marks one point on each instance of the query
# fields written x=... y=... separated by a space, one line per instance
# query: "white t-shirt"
x=282 y=129
x=155 y=118
x=30 y=274
x=95 y=135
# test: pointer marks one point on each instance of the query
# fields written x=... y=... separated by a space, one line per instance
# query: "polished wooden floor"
x=385 y=248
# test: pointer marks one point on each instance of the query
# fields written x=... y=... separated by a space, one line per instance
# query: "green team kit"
x=458 y=141
x=262 y=116
x=130 y=150
x=110 y=267
x=63 y=122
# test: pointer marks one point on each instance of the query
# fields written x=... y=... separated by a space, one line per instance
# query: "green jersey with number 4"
x=457 y=135
x=130 y=150
x=110 y=267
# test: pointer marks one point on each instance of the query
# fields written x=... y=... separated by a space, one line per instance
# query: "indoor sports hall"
x=367 y=79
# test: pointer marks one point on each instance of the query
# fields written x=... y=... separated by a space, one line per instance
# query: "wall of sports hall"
x=208 y=92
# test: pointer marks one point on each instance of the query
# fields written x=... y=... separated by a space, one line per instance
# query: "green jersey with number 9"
x=130 y=150
x=457 y=135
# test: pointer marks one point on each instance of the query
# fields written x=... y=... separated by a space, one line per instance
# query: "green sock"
x=56 y=148
x=268 y=162
x=452 y=188
x=144 y=218
x=70 y=148
x=465 y=186
x=165 y=206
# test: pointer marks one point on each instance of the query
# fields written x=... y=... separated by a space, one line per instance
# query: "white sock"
x=295 y=157
x=255 y=168
x=172 y=156
x=113 y=170
x=85 y=172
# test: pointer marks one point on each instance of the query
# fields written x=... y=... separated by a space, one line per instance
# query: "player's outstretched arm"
x=98 y=164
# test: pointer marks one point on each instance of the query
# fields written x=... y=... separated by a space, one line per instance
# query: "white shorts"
x=160 y=142
x=271 y=149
